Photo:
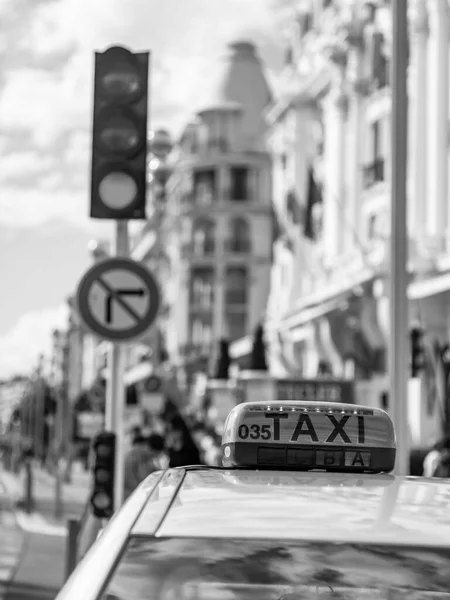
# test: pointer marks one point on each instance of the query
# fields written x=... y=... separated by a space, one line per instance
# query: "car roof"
x=220 y=503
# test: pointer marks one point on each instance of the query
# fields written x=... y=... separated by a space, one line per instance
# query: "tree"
x=258 y=356
x=223 y=362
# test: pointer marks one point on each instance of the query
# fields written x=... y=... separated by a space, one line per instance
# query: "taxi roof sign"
x=307 y=436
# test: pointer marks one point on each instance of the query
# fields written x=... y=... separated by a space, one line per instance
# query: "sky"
x=46 y=77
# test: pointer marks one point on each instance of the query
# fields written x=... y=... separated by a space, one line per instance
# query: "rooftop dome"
x=241 y=81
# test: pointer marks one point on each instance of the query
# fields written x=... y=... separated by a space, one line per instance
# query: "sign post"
x=118 y=299
x=115 y=388
x=398 y=279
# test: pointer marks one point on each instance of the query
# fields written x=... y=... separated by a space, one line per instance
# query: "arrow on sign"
x=116 y=295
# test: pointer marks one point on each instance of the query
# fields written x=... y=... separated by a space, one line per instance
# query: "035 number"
x=255 y=432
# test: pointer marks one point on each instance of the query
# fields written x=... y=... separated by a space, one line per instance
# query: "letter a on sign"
x=304 y=419
x=358 y=458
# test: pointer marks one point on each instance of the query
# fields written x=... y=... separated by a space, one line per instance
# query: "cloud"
x=31 y=336
x=46 y=79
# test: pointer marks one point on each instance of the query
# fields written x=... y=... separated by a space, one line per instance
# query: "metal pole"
x=39 y=413
x=115 y=391
x=398 y=281
x=73 y=530
x=28 y=495
x=58 y=444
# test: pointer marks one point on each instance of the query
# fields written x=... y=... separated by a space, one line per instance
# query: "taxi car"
x=303 y=507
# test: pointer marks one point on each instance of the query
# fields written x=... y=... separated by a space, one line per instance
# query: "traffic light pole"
x=115 y=389
x=398 y=281
x=118 y=193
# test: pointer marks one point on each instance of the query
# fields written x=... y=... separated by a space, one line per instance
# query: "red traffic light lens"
x=119 y=75
x=118 y=133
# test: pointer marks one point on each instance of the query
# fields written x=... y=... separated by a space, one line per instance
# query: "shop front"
x=340 y=338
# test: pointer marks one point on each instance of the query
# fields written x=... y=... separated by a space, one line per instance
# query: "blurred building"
x=218 y=223
x=330 y=141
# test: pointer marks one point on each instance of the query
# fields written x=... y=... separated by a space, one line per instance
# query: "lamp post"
x=398 y=280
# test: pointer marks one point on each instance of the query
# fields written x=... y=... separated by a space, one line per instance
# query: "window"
x=204 y=237
x=219 y=144
x=236 y=286
x=372 y=228
x=201 y=330
x=219 y=567
x=239 y=184
x=373 y=172
x=379 y=66
x=205 y=186
x=375 y=132
x=202 y=288
x=239 y=236
x=236 y=325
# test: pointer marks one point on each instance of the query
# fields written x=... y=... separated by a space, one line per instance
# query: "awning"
x=429 y=287
x=314 y=312
x=138 y=373
x=241 y=347
x=320 y=303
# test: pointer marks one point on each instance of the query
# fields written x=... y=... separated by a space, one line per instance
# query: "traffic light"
x=102 y=498
x=417 y=351
x=119 y=144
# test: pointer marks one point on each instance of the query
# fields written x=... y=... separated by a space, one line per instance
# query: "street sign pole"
x=115 y=387
x=118 y=299
x=398 y=281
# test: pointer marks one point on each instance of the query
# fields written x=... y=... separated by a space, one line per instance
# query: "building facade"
x=219 y=217
x=328 y=311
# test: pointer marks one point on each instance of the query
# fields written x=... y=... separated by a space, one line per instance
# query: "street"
x=33 y=546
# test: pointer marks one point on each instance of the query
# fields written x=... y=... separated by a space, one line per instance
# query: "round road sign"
x=118 y=299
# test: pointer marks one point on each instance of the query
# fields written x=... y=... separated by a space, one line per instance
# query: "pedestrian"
x=158 y=449
x=138 y=464
x=437 y=461
x=183 y=450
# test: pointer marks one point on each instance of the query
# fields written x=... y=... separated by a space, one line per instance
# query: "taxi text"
x=305 y=429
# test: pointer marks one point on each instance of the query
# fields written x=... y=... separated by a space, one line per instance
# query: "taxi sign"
x=304 y=436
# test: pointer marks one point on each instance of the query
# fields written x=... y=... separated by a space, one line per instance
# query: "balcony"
x=237 y=246
x=203 y=250
x=373 y=173
x=201 y=303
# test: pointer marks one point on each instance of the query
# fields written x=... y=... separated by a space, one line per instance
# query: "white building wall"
x=258 y=294
x=261 y=236
x=347 y=223
x=438 y=130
